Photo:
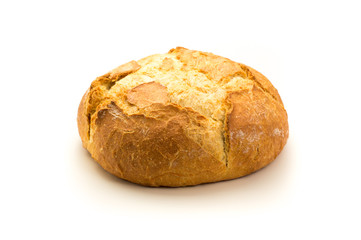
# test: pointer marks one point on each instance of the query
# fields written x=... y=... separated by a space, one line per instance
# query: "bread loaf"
x=182 y=118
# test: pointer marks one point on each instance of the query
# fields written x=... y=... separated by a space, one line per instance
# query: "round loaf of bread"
x=182 y=118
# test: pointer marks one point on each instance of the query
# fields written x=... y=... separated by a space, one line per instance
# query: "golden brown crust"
x=124 y=70
x=95 y=95
x=257 y=130
x=153 y=148
x=182 y=118
x=147 y=94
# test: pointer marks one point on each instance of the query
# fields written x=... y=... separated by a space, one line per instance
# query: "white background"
x=52 y=189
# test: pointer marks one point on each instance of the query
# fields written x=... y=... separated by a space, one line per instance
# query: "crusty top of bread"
x=182 y=118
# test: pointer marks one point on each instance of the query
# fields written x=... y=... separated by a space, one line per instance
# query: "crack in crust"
x=262 y=82
x=97 y=94
x=222 y=71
